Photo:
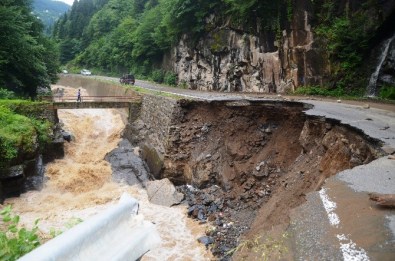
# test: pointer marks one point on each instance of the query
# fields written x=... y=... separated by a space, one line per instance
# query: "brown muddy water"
x=80 y=185
x=266 y=156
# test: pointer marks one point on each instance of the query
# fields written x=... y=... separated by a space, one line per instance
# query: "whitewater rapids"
x=80 y=185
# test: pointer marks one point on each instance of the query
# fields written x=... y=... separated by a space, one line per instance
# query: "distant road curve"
x=205 y=95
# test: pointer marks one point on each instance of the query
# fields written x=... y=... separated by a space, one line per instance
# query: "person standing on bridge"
x=79 y=96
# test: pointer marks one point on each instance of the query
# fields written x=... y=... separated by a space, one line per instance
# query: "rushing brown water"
x=79 y=186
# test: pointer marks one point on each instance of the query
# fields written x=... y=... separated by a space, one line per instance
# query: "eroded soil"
x=253 y=164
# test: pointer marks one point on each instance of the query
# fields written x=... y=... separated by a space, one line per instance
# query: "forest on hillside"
x=115 y=36
x=122 y=35
x=28 y=59
x=49 y=12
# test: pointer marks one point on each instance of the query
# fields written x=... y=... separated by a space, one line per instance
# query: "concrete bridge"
x=92 y=102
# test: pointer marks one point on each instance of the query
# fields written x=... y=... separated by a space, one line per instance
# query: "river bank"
x=81 y=185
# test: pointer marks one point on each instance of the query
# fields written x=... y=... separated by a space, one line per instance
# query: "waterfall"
x=371 y=90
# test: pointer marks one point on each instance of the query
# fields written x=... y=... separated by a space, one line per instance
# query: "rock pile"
x=212 y=205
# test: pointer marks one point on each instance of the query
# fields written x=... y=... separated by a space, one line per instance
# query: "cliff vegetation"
x=22 y=132
x=324 y=44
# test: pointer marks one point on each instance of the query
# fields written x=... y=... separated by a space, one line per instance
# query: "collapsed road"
x=278 y=176
x=285 y=168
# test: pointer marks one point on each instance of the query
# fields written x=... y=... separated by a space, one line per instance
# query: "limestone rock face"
x=233 y=59
x=228 y=59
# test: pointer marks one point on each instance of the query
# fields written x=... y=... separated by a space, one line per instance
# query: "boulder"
x=162 y=192
x=126 y=166
x=67 y=136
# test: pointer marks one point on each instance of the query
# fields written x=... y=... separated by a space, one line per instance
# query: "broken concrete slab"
x=162 y=192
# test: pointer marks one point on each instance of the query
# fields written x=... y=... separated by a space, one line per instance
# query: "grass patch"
x=25 y=107
x=142 y=90
x=386 y=95
x=266 y=249
x=20 y=131
x=320 y=91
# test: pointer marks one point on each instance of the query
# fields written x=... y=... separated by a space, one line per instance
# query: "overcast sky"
x=70 y=2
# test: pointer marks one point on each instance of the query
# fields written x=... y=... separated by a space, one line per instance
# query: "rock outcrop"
x=26 y=171
x=127 y=167
x=234 y=59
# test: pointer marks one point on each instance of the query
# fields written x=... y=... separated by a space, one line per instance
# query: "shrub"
x=321 y=91
x=6 y=94
x=71 y=223
x=16 y=132
x=24 y=107
x=19 y=132
x=183 y=84
x=387 y=92
x=158 y=76
x=171 y=78
x=44 y=130
x=16 y=241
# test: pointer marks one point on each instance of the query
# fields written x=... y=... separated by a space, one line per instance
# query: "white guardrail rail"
x=116 y=234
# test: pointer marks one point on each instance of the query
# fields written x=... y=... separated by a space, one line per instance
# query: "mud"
x=82 y=184
x=263 y=158
x=249 y=165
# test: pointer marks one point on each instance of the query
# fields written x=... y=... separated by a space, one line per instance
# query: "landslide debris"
x=248 y=166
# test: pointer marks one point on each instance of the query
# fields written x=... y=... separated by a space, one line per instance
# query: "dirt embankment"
x=264 y=157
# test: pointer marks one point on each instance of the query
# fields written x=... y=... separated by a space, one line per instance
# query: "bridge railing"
x=91 y=98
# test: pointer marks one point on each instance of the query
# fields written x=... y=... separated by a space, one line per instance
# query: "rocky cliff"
x=230 y=58
x=26 y=171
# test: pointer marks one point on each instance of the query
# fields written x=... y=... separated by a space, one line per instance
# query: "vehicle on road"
x=127 y=79
x=86 y=72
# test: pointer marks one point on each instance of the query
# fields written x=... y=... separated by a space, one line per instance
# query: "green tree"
x=188 y=16
x=24 y=50
x=70 y=31
x=144 y=45
x=344 y=36
x=253 y=14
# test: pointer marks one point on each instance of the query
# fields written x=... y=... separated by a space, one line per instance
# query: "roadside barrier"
x=116 y=234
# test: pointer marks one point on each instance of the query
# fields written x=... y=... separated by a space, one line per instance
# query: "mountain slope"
x=228 y=45
x=49 y=11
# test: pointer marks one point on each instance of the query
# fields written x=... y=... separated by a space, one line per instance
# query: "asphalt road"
x=339 y=222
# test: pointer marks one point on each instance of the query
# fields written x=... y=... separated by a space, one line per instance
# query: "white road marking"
x=329 y=206
x=348 y=248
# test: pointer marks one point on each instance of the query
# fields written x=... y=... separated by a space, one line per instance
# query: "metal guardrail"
x=117 y=234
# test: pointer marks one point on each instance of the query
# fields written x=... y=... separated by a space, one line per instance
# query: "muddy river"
x=80 y=185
